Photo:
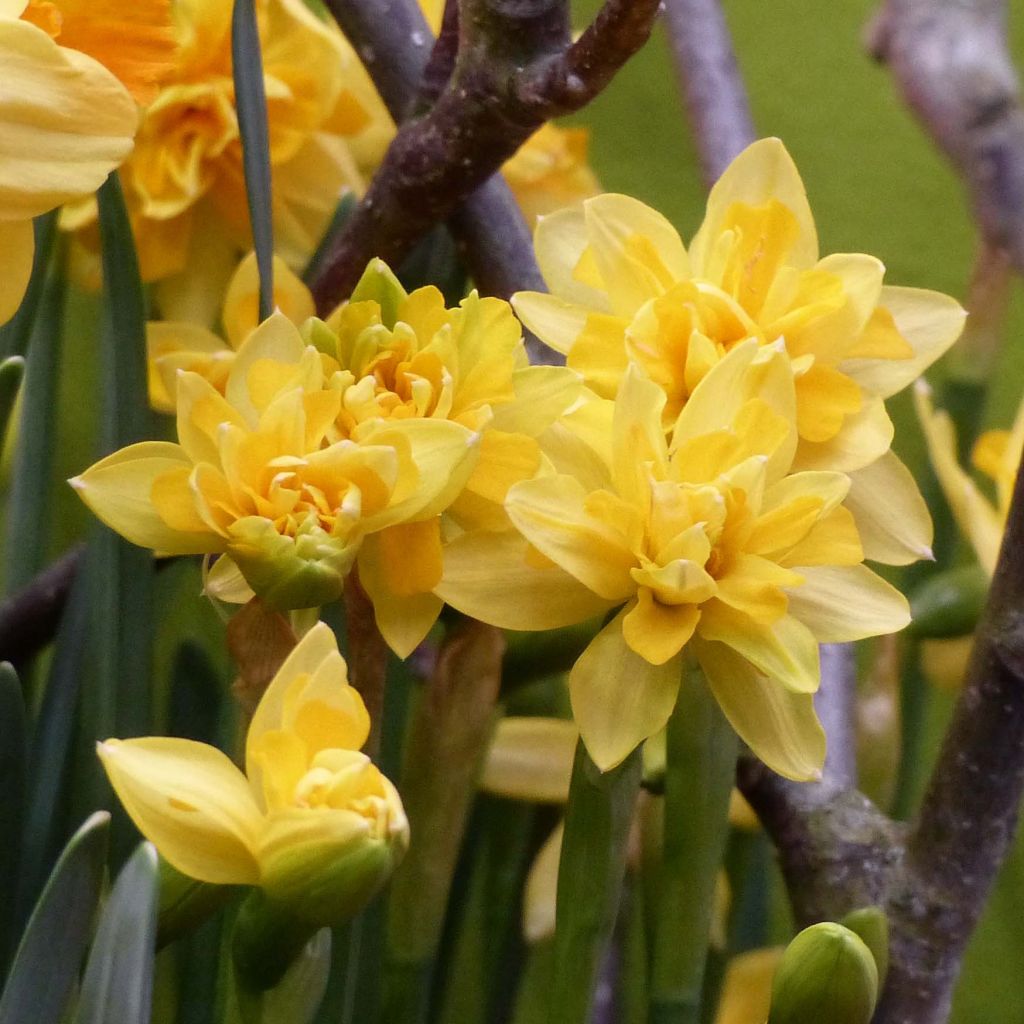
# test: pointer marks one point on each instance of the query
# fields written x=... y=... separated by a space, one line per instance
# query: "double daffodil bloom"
x=997 y=454
x=184 y=183
x=312 y=821
x=262 y=475
x=625 y=288
x=65 y=123
x=707 y=542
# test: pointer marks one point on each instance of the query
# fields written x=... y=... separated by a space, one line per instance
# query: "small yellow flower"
x=65 y=123
x=997 y=454
x=624 y=288
x=262 y=475
x=550 y=170
x=708 y=541
x=312 y=821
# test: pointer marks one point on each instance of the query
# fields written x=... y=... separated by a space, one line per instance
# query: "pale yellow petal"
x=763 y=171
x=119 y=490
x=780 y=726
x=848 y=602
x=541 y=893
x=242 y=301
x=65 y=122
x=892 y=518
x=560 y=240
x=864 y=437
x=530 y=759
x=276 y=340
x=929 y=321
x=556 y=322
x=191 y=802
x=619 y=698
x=493 y=577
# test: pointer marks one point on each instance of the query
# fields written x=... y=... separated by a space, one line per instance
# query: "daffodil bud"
x=872 y=926
x=304 y=571
x=827 y=974
x=949 y=603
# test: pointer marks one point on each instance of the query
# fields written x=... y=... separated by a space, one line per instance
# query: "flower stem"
x=597 y=826
x=700 y=766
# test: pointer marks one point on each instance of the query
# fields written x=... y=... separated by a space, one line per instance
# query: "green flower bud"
x=871 y=924
x=949 y=603
x=379 y=284
x=827 y=974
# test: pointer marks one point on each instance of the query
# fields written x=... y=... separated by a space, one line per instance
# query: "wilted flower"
x=707 y=542
x=312 y=821
x=624 y=288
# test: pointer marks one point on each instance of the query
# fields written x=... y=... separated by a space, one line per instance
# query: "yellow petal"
x=864 y=437
x=762 y=172
x=15 y=265
x=543 y=393
x=183 y=346
x=531 y=759
x=556 y=322
x=785 y=651
x=276 y=341
x=541 y=892
x=847 y=602
x=241 y=303
x=892 y=517
x=119 y=490
x=619 y=698
x=65 y=122
x=191 y=802
x=551 y=513
x=929 y=321
x=656 y=631
x=560 y=240
x=491 y=577
x=399 y=569
x=780 y=726
x=747 y=989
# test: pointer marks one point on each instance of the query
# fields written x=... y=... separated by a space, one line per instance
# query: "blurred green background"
x=876 y=184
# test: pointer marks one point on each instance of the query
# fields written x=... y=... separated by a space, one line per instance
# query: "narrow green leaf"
x=15 y=334
x=597 y=822
x=251 y=103
x=700 y=766
x=118 y=983
x=12 y=370
x=47 y=962
x=51 y=742
x=13 y=758
x=28 y=509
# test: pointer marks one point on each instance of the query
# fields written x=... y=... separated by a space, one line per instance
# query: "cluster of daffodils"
x=709 y=471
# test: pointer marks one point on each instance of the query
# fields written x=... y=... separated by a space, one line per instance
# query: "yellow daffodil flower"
x=262 y=475
x=997 y=454
x=747 y=988
x=708 y=542
x=65 y=123
x=550 y=170
x=187 y=345
x=624 y=288
x=312 y=821
x=184 y=183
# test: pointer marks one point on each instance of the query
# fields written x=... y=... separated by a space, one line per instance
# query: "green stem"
x=700 y=767
x=267 y=939
x=597 y=825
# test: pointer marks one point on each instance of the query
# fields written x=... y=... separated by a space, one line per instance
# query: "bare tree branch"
x=517 y=68
x=716 y=99
x=952 y=63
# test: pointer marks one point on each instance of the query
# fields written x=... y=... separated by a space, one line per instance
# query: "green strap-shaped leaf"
x=28 y=518
x=48 y=959
x=597 y=823
x=251 y=103
x=118 y=983
x=15 y=334
x=700 y=765
x=13 y=755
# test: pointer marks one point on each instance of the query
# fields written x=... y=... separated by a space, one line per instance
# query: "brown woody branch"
x=953 y=66
x=517 y=68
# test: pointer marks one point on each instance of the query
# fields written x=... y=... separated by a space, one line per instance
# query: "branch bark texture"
x=517 y=67
x=953 y=66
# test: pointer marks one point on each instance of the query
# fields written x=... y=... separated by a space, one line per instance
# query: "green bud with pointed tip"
x=379 y=284
x=871 y=924
x=827 y=974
